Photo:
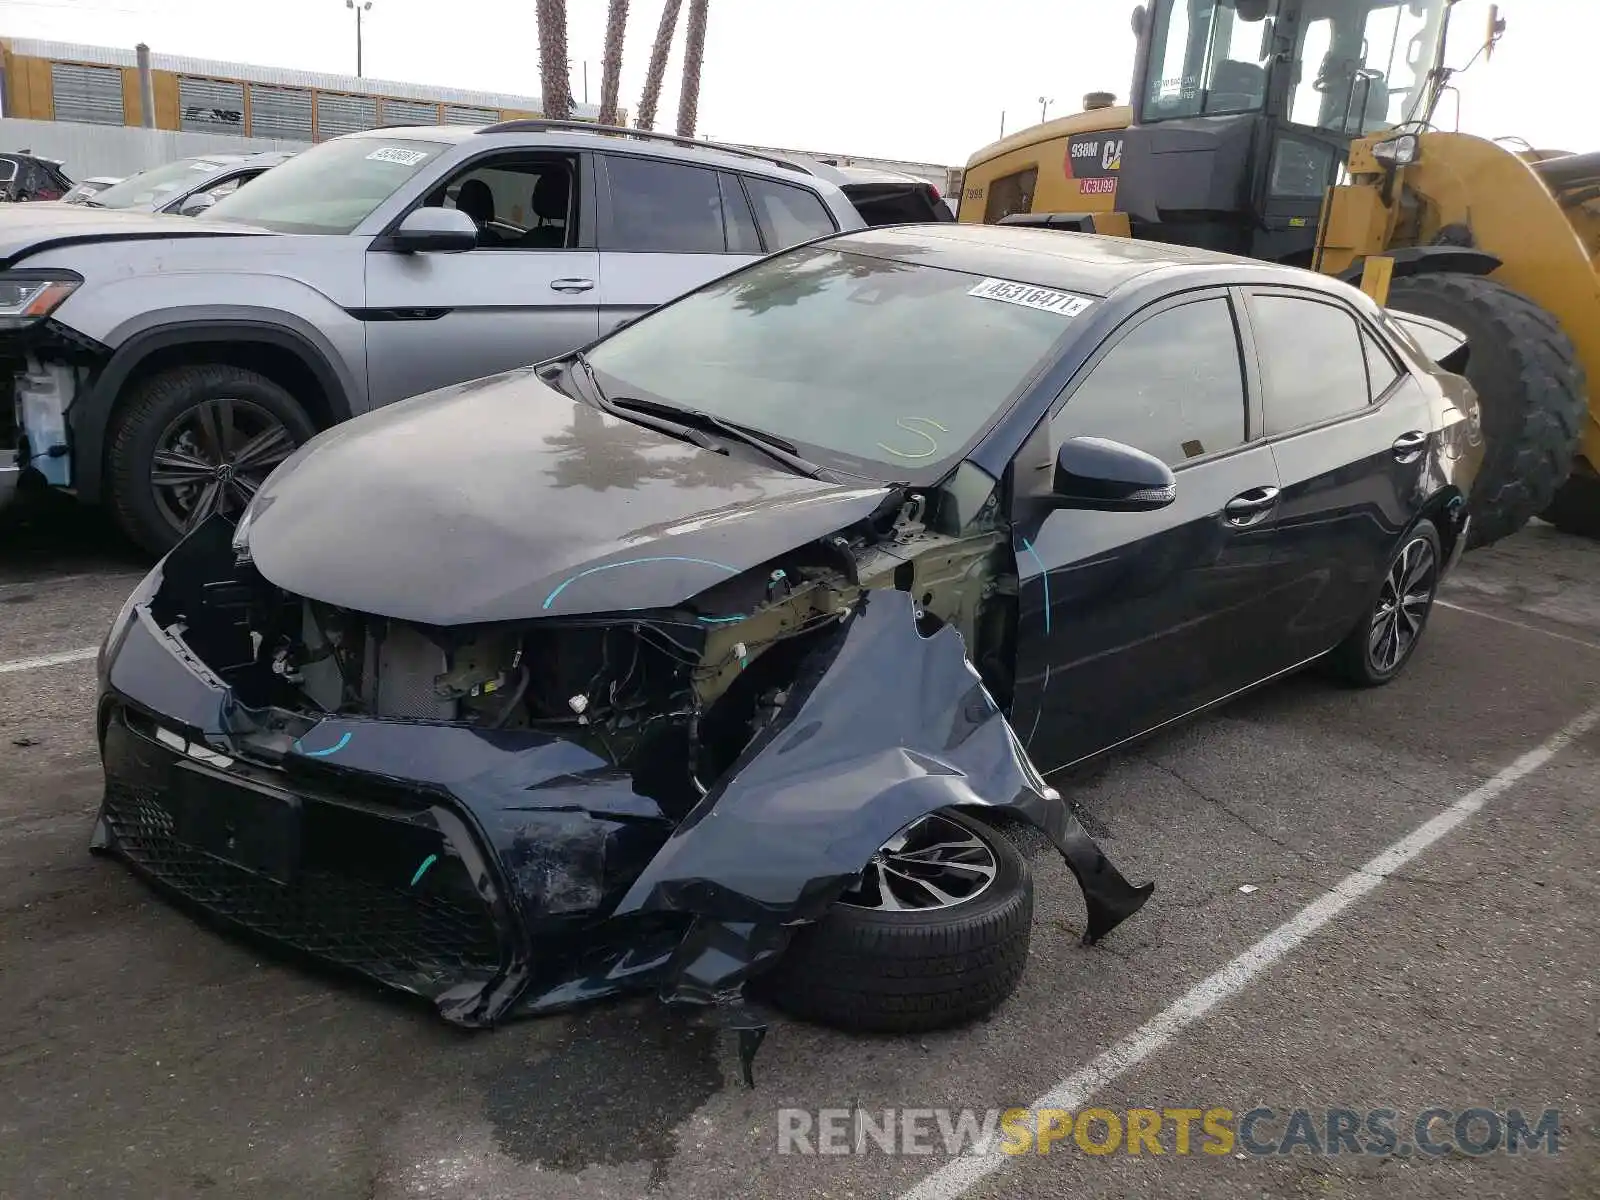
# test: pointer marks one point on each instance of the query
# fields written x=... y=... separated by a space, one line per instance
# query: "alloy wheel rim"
x=212 y=458
x=1403 y=604
x=933 y=863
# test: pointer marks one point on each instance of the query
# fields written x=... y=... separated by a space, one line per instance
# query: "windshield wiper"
x=606 y=405
x=683 y=422
x=768 y=443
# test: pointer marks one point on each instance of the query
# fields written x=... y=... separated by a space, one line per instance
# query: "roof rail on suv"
x=535 y=124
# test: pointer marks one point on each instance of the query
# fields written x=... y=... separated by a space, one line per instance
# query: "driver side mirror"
x=1105 y=476
x=196 y=204
x=443 y=230
x=1138 y=19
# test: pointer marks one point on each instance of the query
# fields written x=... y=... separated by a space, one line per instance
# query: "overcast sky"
x=914 y=79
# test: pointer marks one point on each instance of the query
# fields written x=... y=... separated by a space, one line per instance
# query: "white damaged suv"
x=163 y=365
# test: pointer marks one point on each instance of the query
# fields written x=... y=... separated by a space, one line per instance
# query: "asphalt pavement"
x=1286 y=962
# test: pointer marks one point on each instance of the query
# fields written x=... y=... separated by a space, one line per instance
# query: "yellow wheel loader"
x=1303 y=132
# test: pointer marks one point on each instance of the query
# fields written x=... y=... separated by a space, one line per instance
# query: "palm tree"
x=611 y=63
x=694 y=52
x=658 y=65
x=554 y=80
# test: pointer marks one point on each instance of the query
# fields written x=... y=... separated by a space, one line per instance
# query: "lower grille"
x=405 y=938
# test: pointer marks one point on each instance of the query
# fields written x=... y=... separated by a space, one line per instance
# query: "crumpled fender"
x=883 y=726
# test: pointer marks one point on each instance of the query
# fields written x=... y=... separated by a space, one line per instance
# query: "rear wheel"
x=1576 y=508
x=195 y=441
x=1381 y=644
x=1531 y=391
x=935 y=934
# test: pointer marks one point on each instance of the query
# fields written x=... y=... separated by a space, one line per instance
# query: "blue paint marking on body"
x=333 y=749
x=1044 y=575
x=634 y=562
x=423 y=869
x=719 y=620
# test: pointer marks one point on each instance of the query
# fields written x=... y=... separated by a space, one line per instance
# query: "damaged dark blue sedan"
x=715 y=659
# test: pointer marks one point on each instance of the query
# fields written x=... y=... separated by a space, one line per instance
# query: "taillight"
x=934 y=188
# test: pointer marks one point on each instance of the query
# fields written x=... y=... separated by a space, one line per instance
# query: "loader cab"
x=1244 y=111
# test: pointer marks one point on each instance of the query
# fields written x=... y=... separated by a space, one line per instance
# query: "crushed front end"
x=511 y=817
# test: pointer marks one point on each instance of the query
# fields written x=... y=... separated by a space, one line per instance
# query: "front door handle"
x=1249 y=507
x=1408 y=447
x=571 y=285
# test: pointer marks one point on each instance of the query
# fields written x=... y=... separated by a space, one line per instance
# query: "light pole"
x=363 y=6
x=1044 y=102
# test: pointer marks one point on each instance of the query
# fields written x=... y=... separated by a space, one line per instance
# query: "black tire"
x=868 y=970
x=1576 y=507
x=145 y=420
x=1531 y=391
x=1361 y=659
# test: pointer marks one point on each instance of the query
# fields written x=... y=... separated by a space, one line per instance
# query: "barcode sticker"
x=1030 y=296
x=394 y=154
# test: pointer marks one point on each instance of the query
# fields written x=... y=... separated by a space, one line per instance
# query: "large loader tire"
x=1531 y=391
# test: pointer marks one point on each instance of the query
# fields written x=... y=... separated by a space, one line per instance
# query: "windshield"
x=330 y=188
x=1358 y=65
x=1206 y=58
x=1363 y=64
x=149 y=188
x=882 y=369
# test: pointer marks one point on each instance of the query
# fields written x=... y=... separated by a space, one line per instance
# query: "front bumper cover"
x=502 y=873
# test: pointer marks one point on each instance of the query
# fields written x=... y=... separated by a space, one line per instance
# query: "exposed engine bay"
x=671 y=696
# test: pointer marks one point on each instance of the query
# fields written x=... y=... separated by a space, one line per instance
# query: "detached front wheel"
x=935 y=934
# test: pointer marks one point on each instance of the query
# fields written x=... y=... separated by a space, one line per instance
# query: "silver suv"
x=163 y=365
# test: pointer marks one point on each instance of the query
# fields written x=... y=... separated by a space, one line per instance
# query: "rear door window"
x=664 y=207
x=787 y=214
x=1173 y=387
x=1313 y=366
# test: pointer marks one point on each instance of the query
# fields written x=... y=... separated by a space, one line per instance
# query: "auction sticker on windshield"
x=394 y=154
x=1029 y=296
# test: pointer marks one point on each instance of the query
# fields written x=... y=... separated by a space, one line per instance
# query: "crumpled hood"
x=28 y=228
x=502 y=498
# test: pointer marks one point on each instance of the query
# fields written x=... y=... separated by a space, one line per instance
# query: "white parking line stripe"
x=1473 y=612
x=82 y=654
x=956 y=1176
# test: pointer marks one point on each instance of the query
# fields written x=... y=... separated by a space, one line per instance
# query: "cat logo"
x=1111 y=156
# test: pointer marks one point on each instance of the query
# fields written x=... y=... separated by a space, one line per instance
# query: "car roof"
x=1087 y=263
x=573 y=135
x=857 y=174
x=271 y=157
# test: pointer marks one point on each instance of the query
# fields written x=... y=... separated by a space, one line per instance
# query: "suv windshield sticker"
x=394 y=154
x=1029 y=296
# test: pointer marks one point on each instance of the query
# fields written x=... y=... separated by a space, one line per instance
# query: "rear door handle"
x=571 y=285
x=1249 y=507
x=1408 y=446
